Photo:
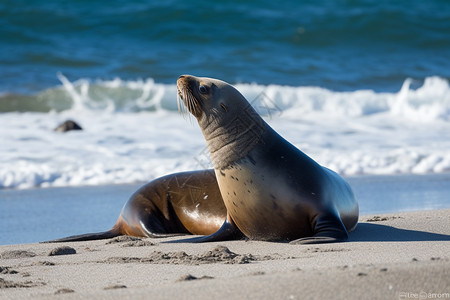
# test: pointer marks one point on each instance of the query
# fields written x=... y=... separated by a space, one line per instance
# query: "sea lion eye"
x=203 y=89
x=224 y=107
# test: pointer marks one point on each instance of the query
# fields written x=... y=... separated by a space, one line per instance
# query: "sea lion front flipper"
x=328 y=228
x=315 y=240
x=227 y=232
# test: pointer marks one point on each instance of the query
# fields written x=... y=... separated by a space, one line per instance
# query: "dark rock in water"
x=67 y=126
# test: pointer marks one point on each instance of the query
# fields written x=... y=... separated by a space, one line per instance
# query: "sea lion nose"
x=184 y=79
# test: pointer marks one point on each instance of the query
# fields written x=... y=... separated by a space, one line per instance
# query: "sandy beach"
x=389 y=256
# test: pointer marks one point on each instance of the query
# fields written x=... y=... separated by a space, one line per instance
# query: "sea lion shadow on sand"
x=367 y=232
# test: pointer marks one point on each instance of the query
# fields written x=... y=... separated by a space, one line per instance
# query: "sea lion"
x=180 y=203
x=271 y=190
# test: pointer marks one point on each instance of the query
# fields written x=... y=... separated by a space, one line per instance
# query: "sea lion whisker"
x=178 y=101
x=189 y=104
x=192 y=103
x=182 y=108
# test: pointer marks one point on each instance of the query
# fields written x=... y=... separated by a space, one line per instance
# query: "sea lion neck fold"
x=234 y=139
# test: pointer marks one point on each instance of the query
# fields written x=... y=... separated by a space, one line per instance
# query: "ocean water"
x=360 y=86
x=42 y=214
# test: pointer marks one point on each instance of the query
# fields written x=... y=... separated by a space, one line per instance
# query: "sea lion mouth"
x=185 y=94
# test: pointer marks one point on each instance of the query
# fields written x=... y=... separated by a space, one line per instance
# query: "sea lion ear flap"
x=224 y=107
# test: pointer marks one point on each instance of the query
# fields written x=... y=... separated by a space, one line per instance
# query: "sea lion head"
x=228 y=122
x=208 y=98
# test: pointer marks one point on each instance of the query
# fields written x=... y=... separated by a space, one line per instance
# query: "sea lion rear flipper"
x=87 y=237
x=227 y=232
x=328 y=228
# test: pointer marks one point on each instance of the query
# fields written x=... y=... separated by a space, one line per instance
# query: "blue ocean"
x=338 y=45
x=360 y=86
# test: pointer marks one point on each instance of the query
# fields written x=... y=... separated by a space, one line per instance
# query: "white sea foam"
x=133 y=132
